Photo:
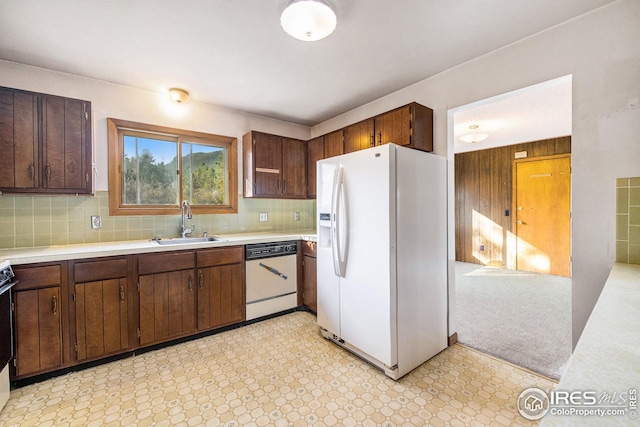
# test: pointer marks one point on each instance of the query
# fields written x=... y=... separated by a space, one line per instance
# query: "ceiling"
x=233 y=53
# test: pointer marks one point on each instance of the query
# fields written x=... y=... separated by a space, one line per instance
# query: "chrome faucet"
x=185 y=209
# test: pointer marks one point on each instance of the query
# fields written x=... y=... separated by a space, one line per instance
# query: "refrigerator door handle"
x=339 y=223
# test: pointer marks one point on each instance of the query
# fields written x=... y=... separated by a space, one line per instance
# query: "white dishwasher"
x=271 y=274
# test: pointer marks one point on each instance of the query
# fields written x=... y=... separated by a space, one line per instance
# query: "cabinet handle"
x=54 y=305
x=278 y=185
x=380 y=138
x=47 y=172
x=121 y=293
x=372 y=140
x=32 y=171
x=200 y=281
x=190 y=283
x=284 y=185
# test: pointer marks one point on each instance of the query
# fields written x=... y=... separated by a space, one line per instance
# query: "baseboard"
x=453 y=339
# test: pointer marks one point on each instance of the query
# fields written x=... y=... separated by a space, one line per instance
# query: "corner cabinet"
x=310 y=284
x=39 y=319
x=46 y=143
x=273 y=166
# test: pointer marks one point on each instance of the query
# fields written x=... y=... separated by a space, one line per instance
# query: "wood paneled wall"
x=483 y=196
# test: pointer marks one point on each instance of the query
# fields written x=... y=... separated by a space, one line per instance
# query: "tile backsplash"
x=29 y=221
x=628 y=220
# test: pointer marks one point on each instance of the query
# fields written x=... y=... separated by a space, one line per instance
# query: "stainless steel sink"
x=187 y=240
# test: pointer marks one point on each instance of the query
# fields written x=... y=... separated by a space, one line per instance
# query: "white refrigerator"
x=382 y=255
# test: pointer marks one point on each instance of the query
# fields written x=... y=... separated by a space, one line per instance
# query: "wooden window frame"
x=116 y=206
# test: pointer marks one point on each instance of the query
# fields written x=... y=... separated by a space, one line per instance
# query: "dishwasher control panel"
x=270 y=250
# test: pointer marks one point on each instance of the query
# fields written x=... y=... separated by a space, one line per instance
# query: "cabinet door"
x=38 y=330
x=294 y=161
x=359 y=136
x=394 y=126
x=315 y=152
x=65 y=145
x=334 y=144
x=221 y=298
x=309 y=294
x=18 y=140
x=267 y=150
x=101 y=318
x=167 y=306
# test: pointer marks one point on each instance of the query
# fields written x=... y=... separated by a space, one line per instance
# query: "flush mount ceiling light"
x=308 y=20
x=179 y=96
x=472 y=138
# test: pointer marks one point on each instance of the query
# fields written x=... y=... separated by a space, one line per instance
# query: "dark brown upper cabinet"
x=334 y=144
x=359 y=136
x=315 y=152
x=410 y=126
x=274 y=166
x=46 y=143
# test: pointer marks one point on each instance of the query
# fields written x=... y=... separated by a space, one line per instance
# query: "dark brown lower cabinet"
x=38 y=331
x=167 y=306
x=39 y=318
x=221 y=298
x=310 y=284
x=102 y=325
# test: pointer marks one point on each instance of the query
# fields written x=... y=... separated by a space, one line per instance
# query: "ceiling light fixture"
x=179 y=96
x=308 y=20
x=472 y=138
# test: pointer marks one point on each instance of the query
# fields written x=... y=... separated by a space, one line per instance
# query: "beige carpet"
x=521 y=317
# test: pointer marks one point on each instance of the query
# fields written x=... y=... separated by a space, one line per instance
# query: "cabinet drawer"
x=38 y=277
x=91 y=271
x=309 y=248
x=220 y=256
x=162 y=262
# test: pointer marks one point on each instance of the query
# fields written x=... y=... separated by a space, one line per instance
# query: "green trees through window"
x=158 y=168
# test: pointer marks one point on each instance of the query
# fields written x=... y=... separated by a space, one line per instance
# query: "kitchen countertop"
x=606 y=358
x=19 y=256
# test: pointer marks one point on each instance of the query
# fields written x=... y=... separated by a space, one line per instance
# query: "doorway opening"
x=512 y=225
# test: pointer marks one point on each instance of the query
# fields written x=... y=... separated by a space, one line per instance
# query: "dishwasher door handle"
x=273 y=270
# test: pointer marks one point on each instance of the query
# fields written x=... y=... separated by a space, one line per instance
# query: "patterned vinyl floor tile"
x=279 y=372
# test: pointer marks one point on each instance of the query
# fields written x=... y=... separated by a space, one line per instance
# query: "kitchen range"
x=6 y=329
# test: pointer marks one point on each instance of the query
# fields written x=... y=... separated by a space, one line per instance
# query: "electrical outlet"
x=263 y=217
x=296 y=216
x=96 y=221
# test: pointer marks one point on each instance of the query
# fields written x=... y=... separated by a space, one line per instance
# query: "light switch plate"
x=96 y=221
x=263 y=217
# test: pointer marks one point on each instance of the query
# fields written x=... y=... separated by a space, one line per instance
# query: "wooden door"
x=359 y=136
x=294 y=170
x=309 y=290
x=315 y=152
x=167 y=306
x=394 y=126
x=18 y=140
x=101 y=318
x=64 y=145
x=542 y=220
x=38 y=330
x=221 y=298
x=268 y=164
x=334 y=144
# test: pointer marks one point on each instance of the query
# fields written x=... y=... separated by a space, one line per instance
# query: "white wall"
x=601 y=50
x=127 y=103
